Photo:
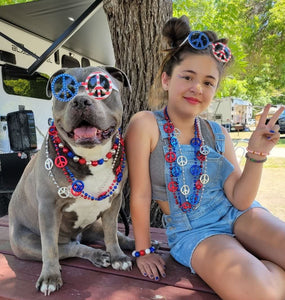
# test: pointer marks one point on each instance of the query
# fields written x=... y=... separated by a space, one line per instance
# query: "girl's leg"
x=234 y=273
x=262 y=234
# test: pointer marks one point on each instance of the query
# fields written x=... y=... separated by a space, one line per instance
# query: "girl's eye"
x=209 y=83
x=185 y=77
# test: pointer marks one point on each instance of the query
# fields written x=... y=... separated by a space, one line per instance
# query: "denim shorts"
x=184 y=240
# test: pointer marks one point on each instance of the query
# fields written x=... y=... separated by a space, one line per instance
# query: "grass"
x=240 y=139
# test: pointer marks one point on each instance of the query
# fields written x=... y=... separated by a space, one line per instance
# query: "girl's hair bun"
x=176 y=30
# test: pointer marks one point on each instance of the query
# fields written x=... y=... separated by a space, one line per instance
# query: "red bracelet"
x=257 y=153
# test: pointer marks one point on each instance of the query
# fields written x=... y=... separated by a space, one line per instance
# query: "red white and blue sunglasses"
x=199 y=40
x=97 y=85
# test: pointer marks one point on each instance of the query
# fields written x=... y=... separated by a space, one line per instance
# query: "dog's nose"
x=81 y=103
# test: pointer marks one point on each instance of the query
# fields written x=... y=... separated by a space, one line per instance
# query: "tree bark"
x=135 y=27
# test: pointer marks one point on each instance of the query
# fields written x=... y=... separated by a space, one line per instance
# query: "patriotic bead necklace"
x=77 y=186
x=177 y=163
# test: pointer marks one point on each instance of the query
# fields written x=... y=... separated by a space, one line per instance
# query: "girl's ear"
x=165 y=81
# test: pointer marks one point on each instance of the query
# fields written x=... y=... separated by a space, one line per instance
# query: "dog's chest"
x=87 y=211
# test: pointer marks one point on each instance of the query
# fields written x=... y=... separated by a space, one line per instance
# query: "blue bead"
x=100 y=161
x=70 y=154
x=137 y=254
x=195 y=170
x=176 y=171
x=174 y=141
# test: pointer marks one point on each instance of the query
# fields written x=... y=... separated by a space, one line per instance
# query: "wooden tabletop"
x=82 y=280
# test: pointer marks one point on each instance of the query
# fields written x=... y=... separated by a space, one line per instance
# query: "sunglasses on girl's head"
x=199 y=40
x=97 y=85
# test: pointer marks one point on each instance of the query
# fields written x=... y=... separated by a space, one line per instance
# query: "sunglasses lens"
x=99 y=85
x=221 y=52
x=198 y=40
x=64 y=87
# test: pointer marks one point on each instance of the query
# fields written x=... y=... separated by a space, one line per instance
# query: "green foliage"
x=9 y=2
x=255 y=29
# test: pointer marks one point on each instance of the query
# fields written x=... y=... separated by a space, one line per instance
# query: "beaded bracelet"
x=255 y=160
x=143 y=252
x=257 y=153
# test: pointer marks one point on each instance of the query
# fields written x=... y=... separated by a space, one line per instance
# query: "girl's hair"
x=175 y=31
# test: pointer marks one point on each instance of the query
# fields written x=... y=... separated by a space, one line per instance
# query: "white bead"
x=147 y=251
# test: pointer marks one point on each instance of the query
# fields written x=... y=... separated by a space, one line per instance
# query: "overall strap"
x=219 y=136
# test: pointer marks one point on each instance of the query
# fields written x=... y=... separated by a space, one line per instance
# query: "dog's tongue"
x=86 y=132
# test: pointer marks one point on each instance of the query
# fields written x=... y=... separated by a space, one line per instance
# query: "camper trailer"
x=232 y=113
x=37 y=39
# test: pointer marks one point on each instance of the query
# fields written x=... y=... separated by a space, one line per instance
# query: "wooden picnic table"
x=82 y=280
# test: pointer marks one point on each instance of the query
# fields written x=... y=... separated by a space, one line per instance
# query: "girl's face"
x=192 y=85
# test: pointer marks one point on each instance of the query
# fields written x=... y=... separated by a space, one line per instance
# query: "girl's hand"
x=151 y=265
x=265 y=136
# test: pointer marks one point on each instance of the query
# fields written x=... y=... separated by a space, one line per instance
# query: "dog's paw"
x=122 y=263
x=101 y=258
x=49 y=282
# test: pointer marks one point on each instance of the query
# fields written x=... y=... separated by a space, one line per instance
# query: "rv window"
x=69 y=62
x=24 y=85
x=85 y=62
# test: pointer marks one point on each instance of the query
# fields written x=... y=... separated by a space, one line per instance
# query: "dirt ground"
x=271 y=192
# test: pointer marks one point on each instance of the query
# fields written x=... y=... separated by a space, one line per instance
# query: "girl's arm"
x=141 y=137
x=241 y=187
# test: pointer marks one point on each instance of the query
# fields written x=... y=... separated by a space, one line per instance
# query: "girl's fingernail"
x=144 y=274
x=156 y=278
x=151 y=276
x=269 y=137
x=163 y=275
x=272 y=131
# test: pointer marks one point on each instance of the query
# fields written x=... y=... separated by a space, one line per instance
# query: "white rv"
x=37 y=39
x=232 y=113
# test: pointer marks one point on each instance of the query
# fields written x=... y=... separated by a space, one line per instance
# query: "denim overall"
x=214 y=214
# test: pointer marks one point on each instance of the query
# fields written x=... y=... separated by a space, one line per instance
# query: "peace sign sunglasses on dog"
x=97 y=85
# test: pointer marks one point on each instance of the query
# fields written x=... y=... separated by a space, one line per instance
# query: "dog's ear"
x=119 y=75
x=48 y=87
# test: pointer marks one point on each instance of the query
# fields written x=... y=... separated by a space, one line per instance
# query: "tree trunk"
x=135 y=27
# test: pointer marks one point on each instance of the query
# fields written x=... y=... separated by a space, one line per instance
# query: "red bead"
x=52 y=130
x=65 y=150
x=201 y=156
x=168 y=127
x=172 y=186
x=57 y=140
x=115 y=146
x=109 y=155
x=198 y=184
x=74 y=193
x=94 y=163
x=60 y=161
x=82 y=161
x=142 y=252
x=170 y=156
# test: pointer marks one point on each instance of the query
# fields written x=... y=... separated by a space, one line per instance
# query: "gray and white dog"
x=70 y=193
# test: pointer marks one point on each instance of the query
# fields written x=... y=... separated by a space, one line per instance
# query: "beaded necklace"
x=177 y=163
x=77 y=186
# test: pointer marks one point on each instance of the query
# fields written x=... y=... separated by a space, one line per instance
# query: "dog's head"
x=87 y=107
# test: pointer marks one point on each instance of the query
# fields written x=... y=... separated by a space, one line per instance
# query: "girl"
x=188 y=165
